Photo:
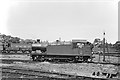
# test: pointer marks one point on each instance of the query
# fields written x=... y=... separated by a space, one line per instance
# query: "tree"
x=97 y=41
x=15 y=40
x=117 y=46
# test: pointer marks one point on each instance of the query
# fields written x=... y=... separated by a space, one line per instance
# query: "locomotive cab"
x=83 y=48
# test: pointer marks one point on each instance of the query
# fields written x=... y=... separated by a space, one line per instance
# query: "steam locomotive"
x=75 y=51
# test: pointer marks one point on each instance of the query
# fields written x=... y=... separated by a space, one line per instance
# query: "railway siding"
x=34 y=73
x=79 y=69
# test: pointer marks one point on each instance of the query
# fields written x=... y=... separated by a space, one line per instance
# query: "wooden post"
x=99 y=57
x=107 y=51
x=104 y=47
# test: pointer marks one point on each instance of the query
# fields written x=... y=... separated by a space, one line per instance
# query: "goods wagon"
x=75 y=51
x=17 y=48
x=21 y=47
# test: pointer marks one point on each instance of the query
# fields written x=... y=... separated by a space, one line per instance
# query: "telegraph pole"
x=104 y=46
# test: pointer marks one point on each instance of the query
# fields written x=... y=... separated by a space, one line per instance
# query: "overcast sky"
x=49 y=20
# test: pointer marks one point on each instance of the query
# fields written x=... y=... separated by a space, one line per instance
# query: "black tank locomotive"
x=75 y=51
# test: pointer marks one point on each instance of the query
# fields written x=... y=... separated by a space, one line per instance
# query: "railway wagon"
x=18 y=47
x=75 y=51
x=21 y=47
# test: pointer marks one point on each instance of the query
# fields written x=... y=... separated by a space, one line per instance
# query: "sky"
x=65 y=19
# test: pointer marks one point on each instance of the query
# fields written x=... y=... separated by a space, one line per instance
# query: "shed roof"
x=79 y=40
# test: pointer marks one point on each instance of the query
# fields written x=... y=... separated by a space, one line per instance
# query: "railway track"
x=29 y=61
x=19 y=72
x=31 y=74
x=27 y=73
x=34 y=74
